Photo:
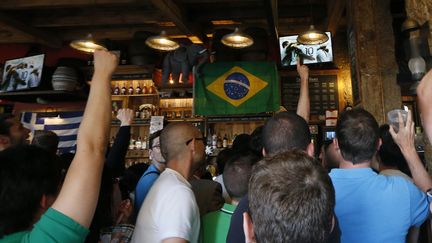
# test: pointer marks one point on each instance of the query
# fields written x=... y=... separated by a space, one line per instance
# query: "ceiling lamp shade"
x=162 y=42
x=312 y=37
x=87 y=44
x=237 y=39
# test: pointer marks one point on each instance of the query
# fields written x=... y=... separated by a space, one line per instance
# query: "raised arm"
x=424 y=95
x=117 y=153
x=303 y=106
x=405 y=140
x=79 y=193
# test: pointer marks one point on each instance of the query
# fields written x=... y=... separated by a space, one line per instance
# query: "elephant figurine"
x=181 y=61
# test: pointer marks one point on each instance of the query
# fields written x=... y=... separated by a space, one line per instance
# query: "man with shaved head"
x=169 y=212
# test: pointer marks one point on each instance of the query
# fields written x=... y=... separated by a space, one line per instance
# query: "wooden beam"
x=335 y=11
x=273 y=19
x=32 y=4
x=114 y=33
x=172 y=11
x=101 y=18
x=37 y=35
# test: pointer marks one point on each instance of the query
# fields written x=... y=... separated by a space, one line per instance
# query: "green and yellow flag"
x=228 y=88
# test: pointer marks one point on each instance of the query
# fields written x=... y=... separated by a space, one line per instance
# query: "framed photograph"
x=22 y=73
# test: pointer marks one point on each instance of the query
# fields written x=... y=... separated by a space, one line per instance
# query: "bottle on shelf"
x=230 y=140
x=131 y=89
x=138 y=143
x=214 y=141
x=123 y=90
x=219 y=142
x=209 y=138
x=131 y=143
x=225 y=141
x=144 y=89
x=138 y=89
x=116 y=89
x=152 y=89
x=144 y=144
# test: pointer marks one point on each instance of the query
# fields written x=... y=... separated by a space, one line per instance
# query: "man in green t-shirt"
x=236 y=176
x=32 y=209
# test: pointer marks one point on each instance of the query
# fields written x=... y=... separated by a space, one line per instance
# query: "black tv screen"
x=290 y=49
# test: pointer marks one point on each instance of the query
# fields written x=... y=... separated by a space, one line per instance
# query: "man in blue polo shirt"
x=153 y=171
x=371 y=207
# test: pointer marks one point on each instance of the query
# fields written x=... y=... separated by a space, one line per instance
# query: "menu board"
x=323 y=93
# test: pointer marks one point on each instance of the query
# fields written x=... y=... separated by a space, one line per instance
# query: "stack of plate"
x=65 y=78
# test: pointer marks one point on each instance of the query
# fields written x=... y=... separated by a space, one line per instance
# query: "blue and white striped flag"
x=64 y=124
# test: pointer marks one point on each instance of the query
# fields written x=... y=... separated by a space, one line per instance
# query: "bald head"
x=174 y=137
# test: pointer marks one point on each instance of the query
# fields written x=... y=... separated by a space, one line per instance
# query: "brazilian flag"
x=228 y=88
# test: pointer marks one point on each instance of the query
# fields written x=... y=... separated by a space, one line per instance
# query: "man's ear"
x=4 y=140
x=310 y=150
x=248 y=229
x=264 y=153
x=336 y=143
x=43 y=202
x=379 y=143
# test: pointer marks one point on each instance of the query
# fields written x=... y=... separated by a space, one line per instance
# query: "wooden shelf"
x=175 y=108
x=135 y=122
x=136 y=95
x=44 y=96
x=262 y=117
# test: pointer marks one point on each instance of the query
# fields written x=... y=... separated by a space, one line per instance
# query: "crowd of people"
x=270 y=187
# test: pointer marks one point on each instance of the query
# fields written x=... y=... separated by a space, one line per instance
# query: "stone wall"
x=421 y=11
x=342 y=62
x=376 y=65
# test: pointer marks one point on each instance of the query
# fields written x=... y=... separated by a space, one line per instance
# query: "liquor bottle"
x=131 y=89
x=116 y=90
x=219 y=142
x=138 y=143
x=144 y=144
x=138 y=89
x=151 y=89
x=214 y=141
x=225 y=141
x=144 y=89
x=123 y=90
x=131 y=143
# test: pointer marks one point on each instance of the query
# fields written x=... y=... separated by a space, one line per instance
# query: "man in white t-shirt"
x=170 y=213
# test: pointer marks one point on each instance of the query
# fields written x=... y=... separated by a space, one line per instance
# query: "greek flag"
x=64 y=124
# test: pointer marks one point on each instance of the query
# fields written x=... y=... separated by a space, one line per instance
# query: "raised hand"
x=125 y=116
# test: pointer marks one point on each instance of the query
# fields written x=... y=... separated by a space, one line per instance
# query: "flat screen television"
x=22 y=73
x=290 y=49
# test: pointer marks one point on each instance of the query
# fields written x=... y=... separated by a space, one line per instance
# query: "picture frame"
x=22 y=73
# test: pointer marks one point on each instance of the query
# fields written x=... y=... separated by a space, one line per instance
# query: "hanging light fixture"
x=237 y=39
x=87 y=44
x=312 y=37
x=162 y=42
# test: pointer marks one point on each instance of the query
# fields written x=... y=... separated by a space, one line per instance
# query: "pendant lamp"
x=162 y=42
x=312 y=37
x=237 y=39
x=87 y=44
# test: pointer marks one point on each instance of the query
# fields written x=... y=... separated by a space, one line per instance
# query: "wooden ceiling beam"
x=335 y=10
x=273 y=20
x=172 y=11
x=32 y=4
x=100 y=18
x=35 y=34
x=114 y=33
